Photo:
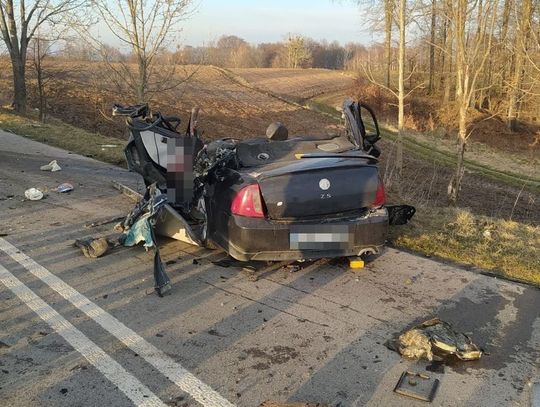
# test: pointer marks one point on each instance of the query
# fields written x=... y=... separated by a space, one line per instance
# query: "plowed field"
x=297 y=83
x=83 y=96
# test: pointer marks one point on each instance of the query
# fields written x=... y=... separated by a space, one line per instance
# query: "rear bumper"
x=259 y=239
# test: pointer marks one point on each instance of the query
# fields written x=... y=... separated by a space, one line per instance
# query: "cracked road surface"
x=90 y=332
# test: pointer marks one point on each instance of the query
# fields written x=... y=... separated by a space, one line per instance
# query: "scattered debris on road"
x=52 y=167
x=104 y=146
x=33 y=194
x=94 y=247
x=417 y=385
x=435 y=340
x=64 y=187
x=138 y=226
x=104 y=222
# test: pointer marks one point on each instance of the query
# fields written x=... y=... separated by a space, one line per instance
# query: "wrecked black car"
x=274 y=198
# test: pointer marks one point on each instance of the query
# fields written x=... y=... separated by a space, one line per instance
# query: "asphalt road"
x=89 y=332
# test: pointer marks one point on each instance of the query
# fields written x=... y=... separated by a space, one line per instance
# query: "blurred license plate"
x=320 y=237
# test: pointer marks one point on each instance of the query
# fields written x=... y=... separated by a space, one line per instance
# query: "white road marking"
x=137 y=392
x=171 y=369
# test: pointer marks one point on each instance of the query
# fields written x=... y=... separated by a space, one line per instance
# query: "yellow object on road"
x=356 y=263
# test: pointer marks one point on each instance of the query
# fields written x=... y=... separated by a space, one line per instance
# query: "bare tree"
x=401 y=87
x=40 y=48
x=297 y=53
x=521 y=43
x=473 y=50
x=448 y=54
x=146 y=28
x=19 y=22
x=388 y=19
x=432 y=46
x=400 y=92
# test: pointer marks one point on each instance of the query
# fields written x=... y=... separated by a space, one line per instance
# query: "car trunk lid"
x=318 y=186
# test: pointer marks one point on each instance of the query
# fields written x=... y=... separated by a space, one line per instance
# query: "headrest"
x=277 y=132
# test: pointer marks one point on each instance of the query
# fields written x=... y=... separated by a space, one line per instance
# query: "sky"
x=259 y=21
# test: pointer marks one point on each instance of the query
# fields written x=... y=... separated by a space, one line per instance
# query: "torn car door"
x=362 y=126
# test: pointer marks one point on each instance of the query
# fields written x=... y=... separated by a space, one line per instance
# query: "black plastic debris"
x=417 y=385
x=227 y=262
x=400 y=214
x=435 y=340
x=162 y=282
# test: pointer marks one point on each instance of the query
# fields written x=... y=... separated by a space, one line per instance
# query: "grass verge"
x=506 y=248
x=62 y=135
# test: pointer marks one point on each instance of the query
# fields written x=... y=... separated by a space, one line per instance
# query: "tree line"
x=231 y=51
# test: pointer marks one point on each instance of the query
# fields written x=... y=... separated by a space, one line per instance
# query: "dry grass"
x=508 y=248
x=58 y=134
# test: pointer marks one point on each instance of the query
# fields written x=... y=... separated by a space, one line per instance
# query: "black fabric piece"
x=400 y=214
x=162 y=282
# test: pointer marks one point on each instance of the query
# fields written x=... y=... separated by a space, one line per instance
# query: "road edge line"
x=128 y=384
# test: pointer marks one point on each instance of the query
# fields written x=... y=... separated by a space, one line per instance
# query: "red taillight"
x=379 y=196
x=248 y=202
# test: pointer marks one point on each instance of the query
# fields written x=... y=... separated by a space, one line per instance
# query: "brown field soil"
x=297 y=83
x=83 y=96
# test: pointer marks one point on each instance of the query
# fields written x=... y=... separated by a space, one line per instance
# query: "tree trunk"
x=39 y=73
x=388 y=17
x=462 y=81
x=19 y=86
x=449 y=43
x=440 y=83
x=455 y=182
x=401 y=89
x=522 y=35
x=504 y=32
x=142 y=80
x=432 y=48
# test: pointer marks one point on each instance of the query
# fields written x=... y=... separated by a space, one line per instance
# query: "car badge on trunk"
x=324 y=184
